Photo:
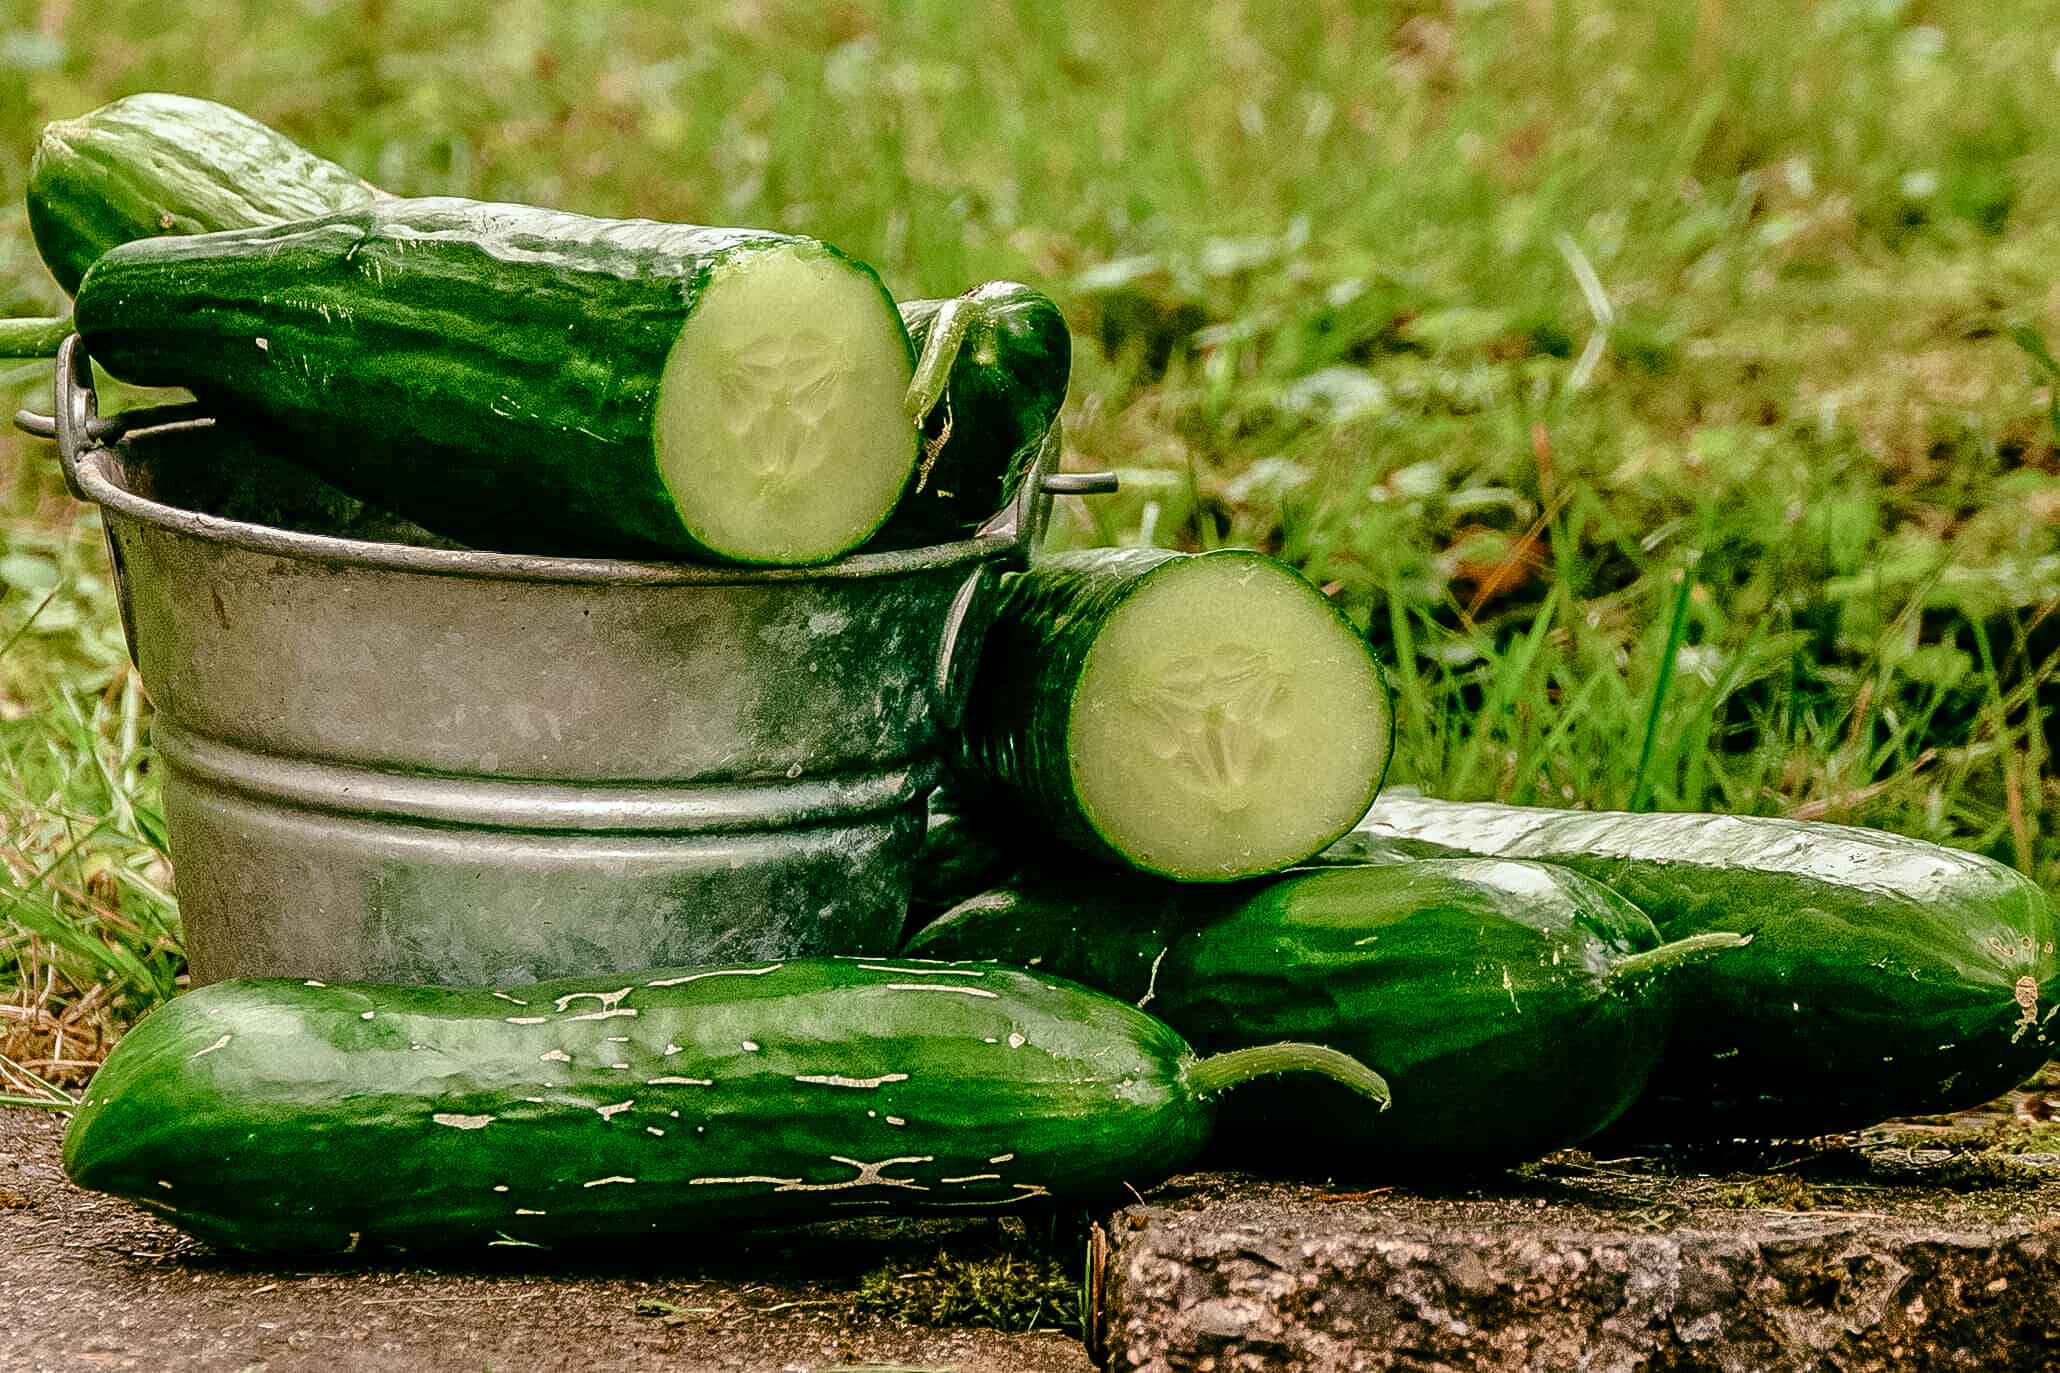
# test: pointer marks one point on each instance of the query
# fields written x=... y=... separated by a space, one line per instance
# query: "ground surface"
x=87 y=1282
x=1922 y=1245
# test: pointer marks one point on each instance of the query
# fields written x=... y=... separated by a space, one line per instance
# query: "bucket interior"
x=236 y=472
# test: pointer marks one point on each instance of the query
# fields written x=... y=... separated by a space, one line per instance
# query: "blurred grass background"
x=1663 y=383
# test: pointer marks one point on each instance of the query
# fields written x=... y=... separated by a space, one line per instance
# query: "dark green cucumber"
x=155 y=164
x=237 y=471
x=287 y=1116
x=1514 y=1007
x=1006 y=383
x=1203 y=717
x=1886 y=976
x=957 y=860
x=524 y=379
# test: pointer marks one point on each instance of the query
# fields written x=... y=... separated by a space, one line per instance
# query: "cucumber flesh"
x=1227 y=720
x=781 y=430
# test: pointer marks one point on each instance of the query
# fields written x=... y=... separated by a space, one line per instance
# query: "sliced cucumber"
x=532 y=381
x=1204 y=717
x=809 y=444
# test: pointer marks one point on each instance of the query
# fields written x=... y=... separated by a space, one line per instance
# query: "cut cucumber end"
x=1228 y=721
x=781 y=428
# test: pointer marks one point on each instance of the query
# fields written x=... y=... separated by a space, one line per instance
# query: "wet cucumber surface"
x=292 y=1116
x=1515 y=1008
x=1887 y=976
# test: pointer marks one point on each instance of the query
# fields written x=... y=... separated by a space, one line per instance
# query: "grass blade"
x=1663 y=683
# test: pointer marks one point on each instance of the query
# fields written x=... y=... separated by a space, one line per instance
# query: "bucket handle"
x=79 y=428
x=1024 y=519
x=1022 y=522
x=77 y=424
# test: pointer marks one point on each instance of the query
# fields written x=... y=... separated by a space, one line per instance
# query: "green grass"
x=1664 y=384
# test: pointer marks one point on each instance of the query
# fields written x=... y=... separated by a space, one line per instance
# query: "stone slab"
x=1905 y=1258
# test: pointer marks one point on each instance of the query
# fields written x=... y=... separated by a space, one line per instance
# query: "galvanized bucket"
x=428 y=764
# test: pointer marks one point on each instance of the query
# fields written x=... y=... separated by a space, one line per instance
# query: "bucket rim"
x=102 y=480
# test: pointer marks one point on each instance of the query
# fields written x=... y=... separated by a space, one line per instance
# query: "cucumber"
x=1005 y=386
x=1515 y=1008
x=285 y=1116
x=1203 y=717
x=956 y=860
x=155 y=164
x=233 y=470
x=37 y=337
x=526 y=379
x=1886 y=976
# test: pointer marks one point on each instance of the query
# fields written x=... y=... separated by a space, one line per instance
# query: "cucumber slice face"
x=781 y=430
x=1228 y=720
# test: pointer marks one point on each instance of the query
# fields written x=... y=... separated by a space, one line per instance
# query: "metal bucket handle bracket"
x=75 y=408
x=1024 y=519
x=1023 y=522
x=77 y=424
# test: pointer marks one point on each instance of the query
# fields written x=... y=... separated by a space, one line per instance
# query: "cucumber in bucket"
x=535 y=381
x=1002 y=356
x=155 y=163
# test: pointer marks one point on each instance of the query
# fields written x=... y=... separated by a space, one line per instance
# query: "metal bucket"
x=427 y=764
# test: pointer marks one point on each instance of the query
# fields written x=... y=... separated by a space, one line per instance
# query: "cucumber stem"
x=1219 y=1071
x=1681 y=952
x=33 y=338
x=940 y=350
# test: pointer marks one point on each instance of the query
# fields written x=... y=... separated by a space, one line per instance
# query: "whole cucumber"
x=290 y=1116
x=154 y=163
x=1516 y=1008
x=1006 y=384
x=1886 y=976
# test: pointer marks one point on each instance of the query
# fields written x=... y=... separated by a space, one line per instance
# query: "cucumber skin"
x=285 y=1120
x=1006 y=387
x=154 y=164
x=1011 y=766
x=1402 y=967
x=1010 y=762
x=416 y=344
x=957 y=860
x=1870 y=951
